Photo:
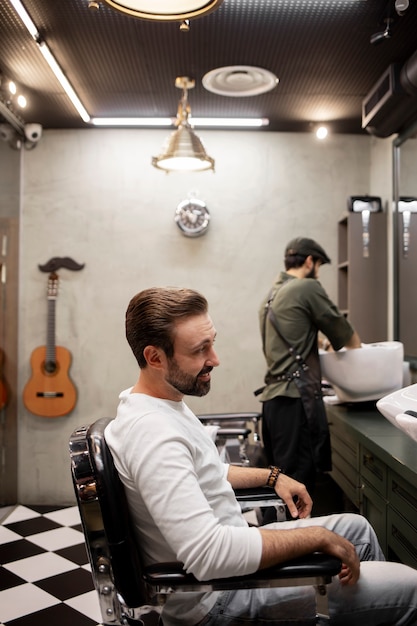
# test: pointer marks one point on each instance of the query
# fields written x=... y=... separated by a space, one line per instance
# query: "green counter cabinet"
x=375 y=465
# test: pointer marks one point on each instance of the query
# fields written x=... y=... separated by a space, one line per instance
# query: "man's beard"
x=312 y=273
x=185 y=383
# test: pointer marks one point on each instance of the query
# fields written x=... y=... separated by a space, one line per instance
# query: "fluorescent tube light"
x=223 y=122
x=230 y=122
x=132 y=121
x=50 y=59
x=25 y=17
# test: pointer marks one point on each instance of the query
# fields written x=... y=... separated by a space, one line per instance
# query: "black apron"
x=309 y=387
x=307 y=378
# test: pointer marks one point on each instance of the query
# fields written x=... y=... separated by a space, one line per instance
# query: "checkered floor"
x=44 y=573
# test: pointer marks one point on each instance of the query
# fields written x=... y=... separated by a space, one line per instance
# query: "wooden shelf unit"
x=362 y=278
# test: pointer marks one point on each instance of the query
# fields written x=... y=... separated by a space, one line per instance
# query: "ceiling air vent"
x=388 y=108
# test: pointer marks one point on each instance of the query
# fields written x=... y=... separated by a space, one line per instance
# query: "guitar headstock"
x=52 y=286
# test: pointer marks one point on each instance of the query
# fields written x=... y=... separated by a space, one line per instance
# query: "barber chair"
x=232 y=428
x=130 y=593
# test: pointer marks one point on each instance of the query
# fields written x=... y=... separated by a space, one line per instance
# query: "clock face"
x=192 y=217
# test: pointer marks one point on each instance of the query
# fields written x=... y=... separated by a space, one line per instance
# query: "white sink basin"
x=367 y=373
x=394 y=406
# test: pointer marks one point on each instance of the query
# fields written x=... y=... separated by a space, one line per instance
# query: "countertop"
x=366 y=424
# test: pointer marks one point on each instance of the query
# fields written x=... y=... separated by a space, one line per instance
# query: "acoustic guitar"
x=3 y=386
x=50 y=391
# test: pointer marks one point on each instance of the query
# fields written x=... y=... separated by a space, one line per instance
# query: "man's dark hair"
x=151 y=316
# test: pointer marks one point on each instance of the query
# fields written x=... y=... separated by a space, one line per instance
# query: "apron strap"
x=269 y=313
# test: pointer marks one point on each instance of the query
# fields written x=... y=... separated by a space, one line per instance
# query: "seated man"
x=183 y=505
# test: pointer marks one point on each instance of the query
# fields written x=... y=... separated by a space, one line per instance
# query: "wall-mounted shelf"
x=362 y=280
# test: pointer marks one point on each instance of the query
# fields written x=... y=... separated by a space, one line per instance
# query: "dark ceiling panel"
x=121 y=66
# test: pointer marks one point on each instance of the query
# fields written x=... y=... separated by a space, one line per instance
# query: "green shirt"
x=302 y=308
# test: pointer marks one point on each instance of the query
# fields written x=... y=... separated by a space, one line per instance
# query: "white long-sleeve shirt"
x=181 y=502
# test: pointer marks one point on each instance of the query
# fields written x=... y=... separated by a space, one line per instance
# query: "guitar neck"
x=50 y=334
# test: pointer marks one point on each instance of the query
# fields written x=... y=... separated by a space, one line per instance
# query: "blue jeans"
x=385 y=595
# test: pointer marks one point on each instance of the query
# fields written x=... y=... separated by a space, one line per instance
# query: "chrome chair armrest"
x=229 y=417
x=261 y=497
x=239 y=416
x=233 y=433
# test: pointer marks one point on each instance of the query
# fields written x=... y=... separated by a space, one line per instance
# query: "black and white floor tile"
x=45 y=577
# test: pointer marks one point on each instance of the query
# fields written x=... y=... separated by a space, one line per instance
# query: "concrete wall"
x=92 y=195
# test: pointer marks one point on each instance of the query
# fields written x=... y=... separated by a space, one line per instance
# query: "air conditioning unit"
x=391 y=104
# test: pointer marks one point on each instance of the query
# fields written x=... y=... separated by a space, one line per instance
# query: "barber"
x=294 y=425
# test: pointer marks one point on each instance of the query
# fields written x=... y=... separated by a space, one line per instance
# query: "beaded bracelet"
x=273 y=476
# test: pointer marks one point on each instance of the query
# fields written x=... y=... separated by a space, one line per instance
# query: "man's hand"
x=354 y=342
x=348 y=576
x=345 y=551
x=289 y=490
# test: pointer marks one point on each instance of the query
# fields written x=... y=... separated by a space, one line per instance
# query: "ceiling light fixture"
x=50 y=59
x=154 y=122
x=21 y=101
x=26 y=19
x=133 y=121
x=164 y=10
x=9 y=94
x=184 y=150
x=8 y=110
x=322 y=132
x=13 y=129
x=231 y=122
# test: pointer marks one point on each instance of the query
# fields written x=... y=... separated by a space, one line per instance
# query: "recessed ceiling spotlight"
x=321 y=132
x=21 y=101
x=239 y=81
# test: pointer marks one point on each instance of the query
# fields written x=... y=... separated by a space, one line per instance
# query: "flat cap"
x=306 y=247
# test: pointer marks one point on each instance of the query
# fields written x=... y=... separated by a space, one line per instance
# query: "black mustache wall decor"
x=57 y=262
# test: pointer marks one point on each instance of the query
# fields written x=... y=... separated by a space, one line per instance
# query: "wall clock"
x=192 y=217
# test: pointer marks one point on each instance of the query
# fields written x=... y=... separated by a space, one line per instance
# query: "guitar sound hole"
x=50 y=367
